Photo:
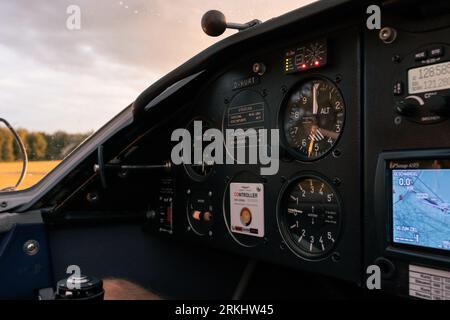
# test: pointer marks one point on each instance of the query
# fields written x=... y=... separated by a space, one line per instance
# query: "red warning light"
x=303 y=66
x=317 y=63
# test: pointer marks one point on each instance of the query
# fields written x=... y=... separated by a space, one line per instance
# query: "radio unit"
x=422 y=88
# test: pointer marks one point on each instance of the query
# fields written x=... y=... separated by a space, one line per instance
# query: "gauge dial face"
x=201 y=170
x=309 y=216
x=313 y=119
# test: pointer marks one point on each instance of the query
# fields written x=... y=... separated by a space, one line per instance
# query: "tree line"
x=40 y=146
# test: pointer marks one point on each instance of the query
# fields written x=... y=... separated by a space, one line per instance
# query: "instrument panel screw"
x=123 y=174
x=338 y=78
x=283 y=89
x=92 y=197
x=337 y=153
x=31 y=247
x=396 y=58
x=4 y=204
x=337 y=181
x=398 y=120
x=188 y=191
x=282 y=245
x=151 y=214
x=264 y=93
x=283 y=179
x=210 y=233
x=336 y=257
x=226 y=101
x=189 y=228
x=210 y=194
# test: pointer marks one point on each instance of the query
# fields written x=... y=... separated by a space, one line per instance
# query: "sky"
x=53 y=78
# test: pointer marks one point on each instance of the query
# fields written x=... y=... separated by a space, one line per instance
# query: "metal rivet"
x=31 y=247
x=398 y=120
x=338 y=78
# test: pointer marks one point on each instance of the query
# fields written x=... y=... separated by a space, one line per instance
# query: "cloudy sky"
x=53 y=78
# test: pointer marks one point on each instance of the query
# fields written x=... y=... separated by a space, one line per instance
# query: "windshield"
x=67 y=67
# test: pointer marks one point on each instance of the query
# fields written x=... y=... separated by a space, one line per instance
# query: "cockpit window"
x=67 y=67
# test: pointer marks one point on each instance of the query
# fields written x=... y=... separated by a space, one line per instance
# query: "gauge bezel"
x=283 y=228
x=281 y=111
x=188 y=167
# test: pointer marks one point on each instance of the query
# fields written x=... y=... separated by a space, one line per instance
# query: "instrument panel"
x=307 y=213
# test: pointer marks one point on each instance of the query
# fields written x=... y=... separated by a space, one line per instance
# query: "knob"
x=407 y=107
x=439 y=105
x=214 y=23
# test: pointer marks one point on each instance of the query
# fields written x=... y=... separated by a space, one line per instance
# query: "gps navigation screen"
x=421 y=210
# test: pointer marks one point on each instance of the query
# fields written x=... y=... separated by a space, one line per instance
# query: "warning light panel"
x=305 y=57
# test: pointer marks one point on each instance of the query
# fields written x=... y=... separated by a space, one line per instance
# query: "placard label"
x=247 y=208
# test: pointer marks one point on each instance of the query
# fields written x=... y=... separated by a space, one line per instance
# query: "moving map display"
x=421 y=207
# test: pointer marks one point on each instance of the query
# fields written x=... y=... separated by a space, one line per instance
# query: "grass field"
x=10 y=172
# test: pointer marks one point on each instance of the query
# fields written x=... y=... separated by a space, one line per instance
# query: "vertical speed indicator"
x=313 y=118
x=309 y=216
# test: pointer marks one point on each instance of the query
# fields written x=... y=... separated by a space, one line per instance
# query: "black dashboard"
x=360 y=113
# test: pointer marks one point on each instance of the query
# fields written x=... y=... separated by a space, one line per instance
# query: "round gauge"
x=198 y=171
x=313 y=118
x=309 y=216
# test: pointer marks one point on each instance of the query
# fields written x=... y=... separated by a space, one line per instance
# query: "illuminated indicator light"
x=303 y=66
x=316 y=63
